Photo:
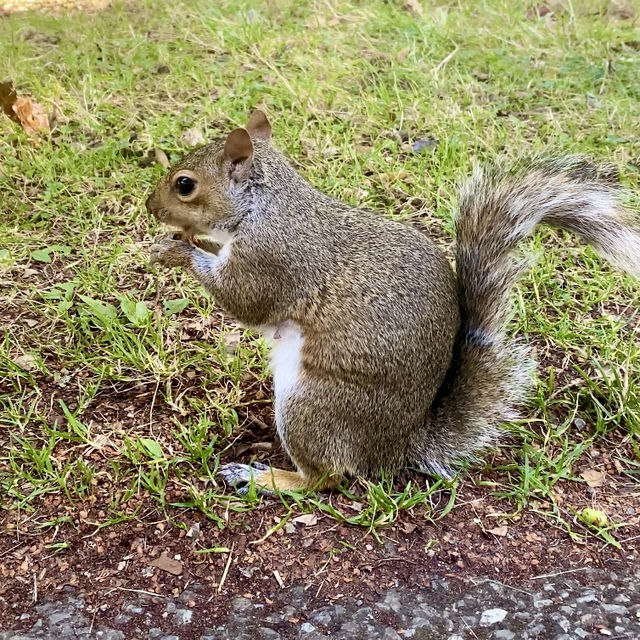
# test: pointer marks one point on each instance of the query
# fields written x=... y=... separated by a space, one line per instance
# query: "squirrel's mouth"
x=202 y=241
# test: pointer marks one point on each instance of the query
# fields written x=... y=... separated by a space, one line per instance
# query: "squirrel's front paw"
x=171 y=253
x=240 y=477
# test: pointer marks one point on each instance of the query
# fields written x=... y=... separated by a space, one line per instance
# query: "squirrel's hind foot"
x=268 y=480
x=240 y=476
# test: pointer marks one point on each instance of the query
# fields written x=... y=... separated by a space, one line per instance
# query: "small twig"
x=394 y=559
x=259 y=422
x=508 y=586
x=35 y=587
x=278 y=578
x=559 y=573
x=93 y=619
x=8 y=551
x=444 y=61
x=146 y=593
x=473 y=633
x=153 y=402
x=226 y=570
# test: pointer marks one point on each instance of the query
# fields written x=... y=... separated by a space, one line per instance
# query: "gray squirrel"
x=382 y=356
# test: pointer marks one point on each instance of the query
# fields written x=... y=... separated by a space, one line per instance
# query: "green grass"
x=117 y=383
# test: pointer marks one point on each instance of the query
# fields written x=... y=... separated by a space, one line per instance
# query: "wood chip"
x=164 y=562
x=278 y=578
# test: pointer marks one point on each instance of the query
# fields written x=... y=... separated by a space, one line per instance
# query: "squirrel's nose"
x=151 y=205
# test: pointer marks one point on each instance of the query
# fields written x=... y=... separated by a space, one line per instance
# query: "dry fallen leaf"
x=21 y=109
x=402 y=54
x=409 y=527
x=32 y=116
x=161 y=158
x=308 y=519
x=168 y=564
x=192 y=137
x=8 y=98
x=593 y=477
x=499 y=531
x=194 y=531
x=232 y=341
x=26 y=362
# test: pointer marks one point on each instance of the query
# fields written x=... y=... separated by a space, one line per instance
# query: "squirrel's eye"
x=185 y=185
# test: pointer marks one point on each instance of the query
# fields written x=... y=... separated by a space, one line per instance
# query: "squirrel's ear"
x=258 y=126
x=238 y=151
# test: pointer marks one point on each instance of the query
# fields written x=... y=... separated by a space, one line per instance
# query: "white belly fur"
x=286 y=342
x=215 y=261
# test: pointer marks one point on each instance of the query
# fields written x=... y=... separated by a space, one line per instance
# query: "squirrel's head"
x=196 y=193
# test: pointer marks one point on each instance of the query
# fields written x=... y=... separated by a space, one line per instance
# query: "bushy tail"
x=491 y=374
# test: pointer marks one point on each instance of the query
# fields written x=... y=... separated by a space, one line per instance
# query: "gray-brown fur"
x=389 y=377
x=497 y=210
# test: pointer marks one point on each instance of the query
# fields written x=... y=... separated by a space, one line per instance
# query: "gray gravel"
x=586 y=604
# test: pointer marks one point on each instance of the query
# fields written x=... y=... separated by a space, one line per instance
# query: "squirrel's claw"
x=240 y=476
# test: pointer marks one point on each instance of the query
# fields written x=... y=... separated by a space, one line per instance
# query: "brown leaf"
x=232 y=341
x=161 y=158
x=409 y=527
x=402 y=54
x=593 y=477
x=192 y=137
x=499 y=531
x=31 y=115
x=26 y=362
x=164 y=562
x=539 y=11
x=308 y=519
x=8 y=97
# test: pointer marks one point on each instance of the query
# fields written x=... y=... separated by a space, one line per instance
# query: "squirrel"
x=382 y=356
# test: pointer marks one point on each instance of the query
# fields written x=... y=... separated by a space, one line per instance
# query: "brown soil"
x=332 y=560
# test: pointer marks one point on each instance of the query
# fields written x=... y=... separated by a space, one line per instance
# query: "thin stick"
x=95 y=613
x=278 y=577
x=444 y=61
x=146 y=593
x=508 y=586
x=559 y=573
x=226 y=570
